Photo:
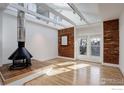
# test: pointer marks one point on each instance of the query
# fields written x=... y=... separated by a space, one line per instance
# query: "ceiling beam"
x=18 y=7
x=58 y=14
x=75 y=9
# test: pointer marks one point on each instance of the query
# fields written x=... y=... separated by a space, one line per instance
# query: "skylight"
x=67 y=11
x=78 y=15
x=59 y=14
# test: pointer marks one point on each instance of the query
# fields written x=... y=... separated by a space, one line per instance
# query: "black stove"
x=21 y=57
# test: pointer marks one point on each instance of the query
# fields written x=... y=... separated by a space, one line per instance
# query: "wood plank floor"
x=1 y=82
x=12 y=75
x=68 y=72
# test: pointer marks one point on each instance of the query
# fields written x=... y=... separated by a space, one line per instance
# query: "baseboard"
x=66 y=58
x=98 y=62
x=43 y=60
x=112 y=65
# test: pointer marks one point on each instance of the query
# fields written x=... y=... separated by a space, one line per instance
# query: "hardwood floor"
x=8 y=75
x=1 y=82
x=69 y=72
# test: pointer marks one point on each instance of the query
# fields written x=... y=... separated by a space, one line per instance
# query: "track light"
x=47 y=22
x=73 y=12
x=81 y=19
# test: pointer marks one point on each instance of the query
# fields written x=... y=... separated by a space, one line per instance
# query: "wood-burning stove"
x=21 y=57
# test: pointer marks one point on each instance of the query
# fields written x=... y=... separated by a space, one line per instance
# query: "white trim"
x=1 y=37
x=66 y=58
x=46 y=59
x=75 y=43
x=112 y=65
x=102 y=44
x=90 y=61
x=99 y=62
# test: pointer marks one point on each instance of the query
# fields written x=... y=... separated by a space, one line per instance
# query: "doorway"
x=89 y=48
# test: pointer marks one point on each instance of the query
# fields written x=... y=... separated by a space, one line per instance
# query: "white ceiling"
x=110 y=11
x=88 y=7
x=104 y=11
x=88 y=11
x=92 y=12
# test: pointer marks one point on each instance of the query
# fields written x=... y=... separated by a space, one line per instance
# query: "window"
x=95 y=46
x=31 y=7
x=83 y=45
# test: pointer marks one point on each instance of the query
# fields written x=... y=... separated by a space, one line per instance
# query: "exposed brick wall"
x=111 y=41
x=66 y=51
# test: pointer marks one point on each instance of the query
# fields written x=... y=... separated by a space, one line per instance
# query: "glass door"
x=95 y=46
x=89 y=48
x=83 y=45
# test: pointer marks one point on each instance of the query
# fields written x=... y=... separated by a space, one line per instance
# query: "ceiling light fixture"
x=75 y=9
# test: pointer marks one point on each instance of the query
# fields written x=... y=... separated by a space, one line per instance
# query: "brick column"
x=111 y=41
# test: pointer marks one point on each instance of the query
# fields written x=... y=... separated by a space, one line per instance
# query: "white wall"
x=121 y=33
x=41 y=41
x=91 y=30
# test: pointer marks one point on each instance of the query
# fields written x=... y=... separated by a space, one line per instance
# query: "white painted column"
x=121 y=40
x=75 y=44
x=1 y=21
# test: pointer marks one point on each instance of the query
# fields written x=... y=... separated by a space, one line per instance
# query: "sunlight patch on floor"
x=55 y=71
x=78 y=66
x=66 y=63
